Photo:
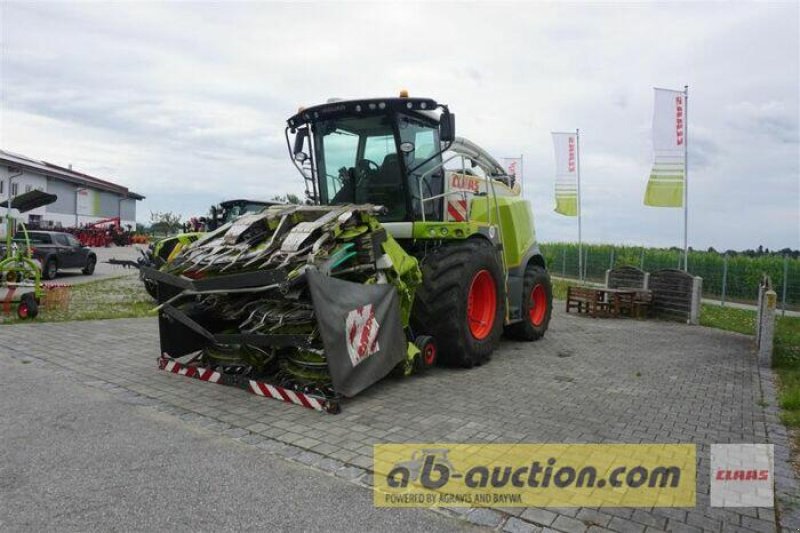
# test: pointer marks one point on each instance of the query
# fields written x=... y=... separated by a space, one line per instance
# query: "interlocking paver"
x=539 y=516
x=622 y=525
x=586 y=381
x=515 y=525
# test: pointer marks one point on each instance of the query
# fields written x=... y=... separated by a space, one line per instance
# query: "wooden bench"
x=585 y=300
x=639 y=305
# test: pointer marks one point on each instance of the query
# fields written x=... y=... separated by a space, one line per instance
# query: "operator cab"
x=385 y=152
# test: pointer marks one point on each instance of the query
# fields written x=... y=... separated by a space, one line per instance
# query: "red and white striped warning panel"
x=203 y=374
x=259 y=388
x=457 y=209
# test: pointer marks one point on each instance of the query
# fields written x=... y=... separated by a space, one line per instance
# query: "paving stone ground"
x=589 y=380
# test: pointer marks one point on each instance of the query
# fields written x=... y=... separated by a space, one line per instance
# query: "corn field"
x=725 y=277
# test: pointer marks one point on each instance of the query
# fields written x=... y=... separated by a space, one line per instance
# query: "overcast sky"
x=186 y=103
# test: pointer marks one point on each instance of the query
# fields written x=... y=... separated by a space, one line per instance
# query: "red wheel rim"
x=23 y=311
x=482 y=305
x=538 y=305
x=429 y=354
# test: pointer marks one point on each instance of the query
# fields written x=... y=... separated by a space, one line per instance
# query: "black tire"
x=440 y=305
x=534 y=323
x=28 y=308
x=50 y=269
x=428 y=353
x=91 y=262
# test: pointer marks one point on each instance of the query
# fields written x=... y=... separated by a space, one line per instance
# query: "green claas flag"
x=665 y=186
x=566 y=189
x=567 y=205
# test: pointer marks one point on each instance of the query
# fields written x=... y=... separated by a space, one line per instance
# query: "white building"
x=82 y=199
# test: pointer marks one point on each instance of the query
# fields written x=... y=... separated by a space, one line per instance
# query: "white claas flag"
x=566 y=146
x=513 y=166
x=665 y=186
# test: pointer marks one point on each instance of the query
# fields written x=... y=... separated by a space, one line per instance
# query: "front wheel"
x=537 y=306
x=461 y=302
x=88 y=270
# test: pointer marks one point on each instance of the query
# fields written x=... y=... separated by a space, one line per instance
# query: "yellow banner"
x=534 y=475
x=567 y=205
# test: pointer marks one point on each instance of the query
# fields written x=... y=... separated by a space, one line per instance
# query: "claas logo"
x=728 y=474
x=462 y=182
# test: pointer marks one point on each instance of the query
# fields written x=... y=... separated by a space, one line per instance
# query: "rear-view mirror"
x=447 y=128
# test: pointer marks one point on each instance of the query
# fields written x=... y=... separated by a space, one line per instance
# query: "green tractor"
x=163 y=251
x=416 y=248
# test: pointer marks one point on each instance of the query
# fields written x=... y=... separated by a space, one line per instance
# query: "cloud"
x=186 y=103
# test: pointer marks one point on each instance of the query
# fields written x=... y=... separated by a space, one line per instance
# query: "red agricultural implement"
x=102 y=233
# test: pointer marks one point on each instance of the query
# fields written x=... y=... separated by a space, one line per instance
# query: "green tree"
x=166 y=222
x=287 y=199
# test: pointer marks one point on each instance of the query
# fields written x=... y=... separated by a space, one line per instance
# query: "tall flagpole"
x=685 y=178
x=580 y=240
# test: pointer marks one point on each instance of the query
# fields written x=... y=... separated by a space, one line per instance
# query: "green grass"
x=786 y=354
x=728 y=318
x=122 y=297
x=560 y=288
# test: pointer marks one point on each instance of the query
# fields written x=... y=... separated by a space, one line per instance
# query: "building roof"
x=13 y=160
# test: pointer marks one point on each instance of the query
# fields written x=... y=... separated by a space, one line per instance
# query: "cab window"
x=340 y=150
x=425 y=178
x=357 y=162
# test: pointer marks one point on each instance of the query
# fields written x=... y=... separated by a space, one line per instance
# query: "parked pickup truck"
x=56 y=251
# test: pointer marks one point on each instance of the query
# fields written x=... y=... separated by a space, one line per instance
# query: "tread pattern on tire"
x=524 y=330
x=440 y=305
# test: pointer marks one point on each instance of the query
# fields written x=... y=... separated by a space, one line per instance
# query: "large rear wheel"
x=537 y=306
x=461 y=301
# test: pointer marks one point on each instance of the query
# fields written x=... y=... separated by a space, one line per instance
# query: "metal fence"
x=728 y=278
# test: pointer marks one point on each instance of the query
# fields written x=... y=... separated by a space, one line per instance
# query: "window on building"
x=2 y=186
x=28 y=188
x=14 y=189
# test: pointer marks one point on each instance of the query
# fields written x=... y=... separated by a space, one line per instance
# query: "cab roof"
x=366 y=106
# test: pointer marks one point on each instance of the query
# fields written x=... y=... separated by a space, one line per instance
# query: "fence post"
x=767 y=328
x=641 y=260
x=762 y=288
x=785 y=283
x=724 y=278
x=697 y=296
x=563 y=262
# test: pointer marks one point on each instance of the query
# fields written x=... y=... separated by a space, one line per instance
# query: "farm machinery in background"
x=162 y=251
x=417 y=248
x=103 y=233
x=20 y=273
x=230 y=210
